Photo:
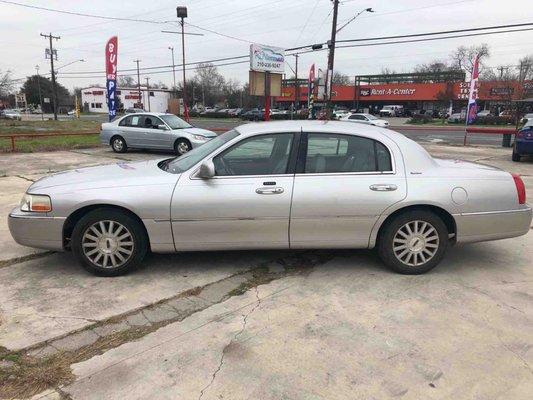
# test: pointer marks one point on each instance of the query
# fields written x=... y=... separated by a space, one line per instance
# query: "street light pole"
x=185 y=110
x=148 y=92
x=171 y=48
x=40 y=96
x=296 y=85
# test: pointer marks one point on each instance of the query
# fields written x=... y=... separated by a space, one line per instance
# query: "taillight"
x=520 y=188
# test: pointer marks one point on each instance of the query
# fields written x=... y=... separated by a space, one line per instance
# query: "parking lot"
x=264 y=324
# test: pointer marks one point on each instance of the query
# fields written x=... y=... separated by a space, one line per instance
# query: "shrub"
x=420 y=119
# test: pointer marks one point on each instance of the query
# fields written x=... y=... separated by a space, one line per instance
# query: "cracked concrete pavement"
x=348 y=329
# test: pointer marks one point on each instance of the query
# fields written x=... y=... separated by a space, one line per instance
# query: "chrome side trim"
x=524 y=210
x=231 y=219
x=30 y=216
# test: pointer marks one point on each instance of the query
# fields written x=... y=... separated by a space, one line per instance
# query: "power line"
x=14 y=3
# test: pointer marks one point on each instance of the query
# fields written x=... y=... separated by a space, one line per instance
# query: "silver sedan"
x=278 y=185
x=153 y=131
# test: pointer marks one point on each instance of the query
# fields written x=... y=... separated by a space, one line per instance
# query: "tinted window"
x=356 y=117
x=259 y=155
x=329 y=153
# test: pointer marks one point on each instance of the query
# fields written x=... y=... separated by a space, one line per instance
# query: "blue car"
x=523 y=144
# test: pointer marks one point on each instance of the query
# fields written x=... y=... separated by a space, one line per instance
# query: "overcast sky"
x=283 y=23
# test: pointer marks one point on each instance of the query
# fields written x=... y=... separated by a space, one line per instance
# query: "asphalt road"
x=426 y=134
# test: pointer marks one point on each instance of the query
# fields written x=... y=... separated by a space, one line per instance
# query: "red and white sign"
x=111 y=58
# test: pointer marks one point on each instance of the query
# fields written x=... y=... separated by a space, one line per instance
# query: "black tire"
x=182 y=146
x=515 y=157
x=118 y=144
x=390 y=234
x=137 y=249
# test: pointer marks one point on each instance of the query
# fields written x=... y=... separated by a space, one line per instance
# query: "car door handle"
x=269 y=190
x=383 y=187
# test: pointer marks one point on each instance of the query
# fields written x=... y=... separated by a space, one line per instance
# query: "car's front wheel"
x=182 y=146
x=109 y=242
x=413 y=242
x=118 y=144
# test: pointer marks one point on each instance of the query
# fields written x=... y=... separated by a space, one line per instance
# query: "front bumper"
x=41 y=231
x=492 y=225
x=524 y=146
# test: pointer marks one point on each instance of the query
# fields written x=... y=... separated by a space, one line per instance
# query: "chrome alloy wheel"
x=415 y=243
x=183 y=148
x=118 y=144
x=107 y=244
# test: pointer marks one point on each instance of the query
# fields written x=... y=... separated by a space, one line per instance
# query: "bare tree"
x=463 y=57
x=339 y=78
x=6 y=83
x=433 y=67
x=211 y=83
x=126 y=81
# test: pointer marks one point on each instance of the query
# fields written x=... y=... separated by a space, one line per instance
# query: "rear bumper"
x=39 y=231
x=492 y=225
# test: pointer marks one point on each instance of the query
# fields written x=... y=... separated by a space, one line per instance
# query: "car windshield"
x=370 y=117
x=180 y=164
x=175 y=122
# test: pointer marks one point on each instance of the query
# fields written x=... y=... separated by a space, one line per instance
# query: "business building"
x=94 y=99
x=422 y=91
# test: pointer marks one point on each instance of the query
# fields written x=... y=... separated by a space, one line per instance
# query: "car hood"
x=120 y=174
x=196 y=131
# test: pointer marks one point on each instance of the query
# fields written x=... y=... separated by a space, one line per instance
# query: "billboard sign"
x=111 y=50
x=267 y=59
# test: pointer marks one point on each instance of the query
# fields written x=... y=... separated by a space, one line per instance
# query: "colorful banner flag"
x=310 y=90
x=111 y=50
x=471 y=111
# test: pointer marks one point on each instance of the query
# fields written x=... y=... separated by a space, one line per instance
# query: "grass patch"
x=8 y=127
x=30 y=145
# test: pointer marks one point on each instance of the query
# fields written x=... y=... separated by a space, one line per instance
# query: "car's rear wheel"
x=515 y=157
x=109 y=242
x=413 y=242
x=118 y=144
x=182 y=146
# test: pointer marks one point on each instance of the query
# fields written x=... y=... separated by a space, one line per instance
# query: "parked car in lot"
x=365 y=119
x=276 y=185
x=391 y=111
x=484 y=114
x=455 y=118
x=252 y=115
x=11 y=114
x=340 y=113
x=523 y=144
x=526 y=118
x=235 y=112
x=153 y=131
x=133 y=110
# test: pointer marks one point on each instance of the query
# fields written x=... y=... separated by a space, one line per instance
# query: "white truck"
x=391 y=111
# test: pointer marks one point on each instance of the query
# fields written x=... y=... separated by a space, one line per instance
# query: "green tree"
x=31 y=89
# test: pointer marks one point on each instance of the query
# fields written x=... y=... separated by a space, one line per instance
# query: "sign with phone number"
x=267 y=59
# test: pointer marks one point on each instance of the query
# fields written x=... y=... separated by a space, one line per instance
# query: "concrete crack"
x=26 y=179
x=234 y=339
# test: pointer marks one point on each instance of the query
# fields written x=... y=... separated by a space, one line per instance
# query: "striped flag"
x=471 y=111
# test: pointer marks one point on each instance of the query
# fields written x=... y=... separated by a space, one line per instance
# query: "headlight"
x=36 y=203
x=200 y=138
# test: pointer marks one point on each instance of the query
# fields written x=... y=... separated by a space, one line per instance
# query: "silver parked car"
x=276 y=185
x=153 y=131
x=368 y=119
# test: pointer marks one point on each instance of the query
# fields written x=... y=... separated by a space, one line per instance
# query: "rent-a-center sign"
x=387 y=92
x=267 y=58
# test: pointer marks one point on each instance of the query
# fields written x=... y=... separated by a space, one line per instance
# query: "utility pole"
x=40 y=96
x=331 y=57
x=296 y=85
x=171 y=48
x=54 y=88
x=138 y=79
x=148 y=92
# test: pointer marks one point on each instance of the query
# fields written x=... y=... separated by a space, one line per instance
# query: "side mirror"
x=207 y=170
x=162 y=127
